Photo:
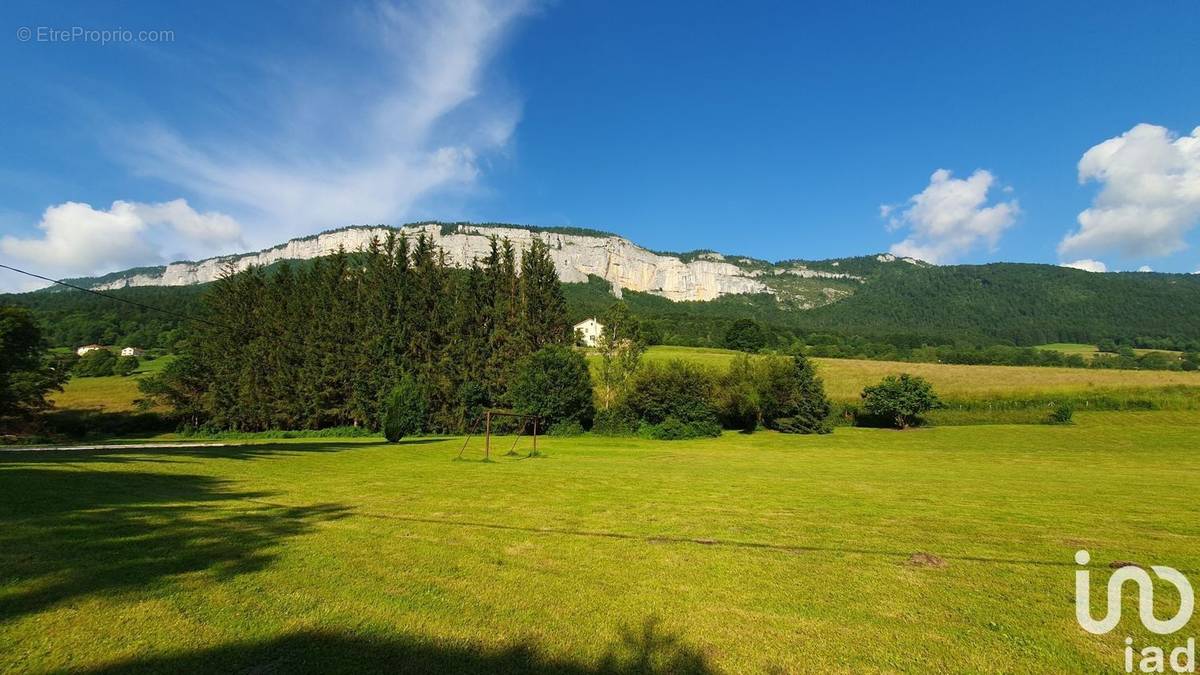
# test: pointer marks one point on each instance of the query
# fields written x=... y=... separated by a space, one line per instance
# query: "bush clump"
x=672 y=429
x=676 y=398
x=616 y=421
x=793 y=397
x=1060 y=413
x=568 y=428
x=405 y=409
x=554 y=384
x=900 y=400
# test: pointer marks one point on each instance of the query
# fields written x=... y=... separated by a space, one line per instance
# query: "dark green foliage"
x=740 y=407
x=793 y=397
x=737 y=396
x=1060 y=413
x=900 y=399
x=75 y=318
x=616 y=421
x=125 y=365
x=405 y=410
x=543 y=307
x=672 y=429
x=553 y=383
x=1021 y=304
x=96 y=363
x=182 y=386
x=26 y=375
x=676 y=396
x=781 y=393
x=745 y=336
x=569 y=428
x=322 y=345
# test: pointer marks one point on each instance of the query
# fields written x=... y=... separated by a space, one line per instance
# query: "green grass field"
x=113 y=394
x=737 y=554
x=845 y=378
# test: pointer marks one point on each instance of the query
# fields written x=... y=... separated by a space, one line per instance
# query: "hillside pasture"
x=845 y=378
x=106 y=394
x=938 y=550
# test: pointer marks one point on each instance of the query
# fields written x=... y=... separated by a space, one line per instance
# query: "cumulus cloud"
x=950 y=217
x=422 y=124
x=1150 y=194
x=77 y=239
x=1087 y=265
x=1145 y=268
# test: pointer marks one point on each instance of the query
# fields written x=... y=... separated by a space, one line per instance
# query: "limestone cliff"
x=576 y=256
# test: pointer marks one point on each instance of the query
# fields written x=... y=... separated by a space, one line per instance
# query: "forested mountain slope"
x=1020 y=303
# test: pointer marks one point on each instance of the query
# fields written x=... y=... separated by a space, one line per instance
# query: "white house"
x=132 y=351
x=588 y=331
x=87 y=348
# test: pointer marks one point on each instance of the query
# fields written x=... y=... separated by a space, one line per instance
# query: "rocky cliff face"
x=624 y=264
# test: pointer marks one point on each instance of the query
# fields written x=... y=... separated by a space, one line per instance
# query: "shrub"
x=674 y=389
x=793 y=397
x=96 y=363
x=901 y=399
x=404 y=411
x=737 y=396
x=616 y=421
x=568 y=428
x=1060 y=413
x=739 y=407
x=125 y=365
x=554 y=384
x=672 y=429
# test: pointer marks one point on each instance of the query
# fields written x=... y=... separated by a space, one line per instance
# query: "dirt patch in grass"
x=922 y=559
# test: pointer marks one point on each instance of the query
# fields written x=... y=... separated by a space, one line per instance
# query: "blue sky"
x=955 y=132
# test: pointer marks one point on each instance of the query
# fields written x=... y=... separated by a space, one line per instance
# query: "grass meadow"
x=845 y=378
x=111 y=394
x=744 y=553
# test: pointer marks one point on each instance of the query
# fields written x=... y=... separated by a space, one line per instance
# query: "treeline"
x=323 y=345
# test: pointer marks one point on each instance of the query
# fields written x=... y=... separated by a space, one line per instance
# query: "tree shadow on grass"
x=647 y=650
x=162 y=452
x=68 y=535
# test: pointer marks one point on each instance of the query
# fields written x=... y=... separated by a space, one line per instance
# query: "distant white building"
x=132 y=351
x=588 y=331
x=87 y=348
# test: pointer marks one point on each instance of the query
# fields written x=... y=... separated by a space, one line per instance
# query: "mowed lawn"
x=738 y=554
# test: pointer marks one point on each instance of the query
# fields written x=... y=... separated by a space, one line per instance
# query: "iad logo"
x=1153 y=659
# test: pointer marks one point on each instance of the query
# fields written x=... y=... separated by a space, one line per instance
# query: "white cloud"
x=77 y=239
x=950 y=217
x=1087 y=265
x=1145 y=268
x=1150 y=197
x=420 y=125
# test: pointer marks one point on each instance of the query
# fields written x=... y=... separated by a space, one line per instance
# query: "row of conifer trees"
x=321 y=344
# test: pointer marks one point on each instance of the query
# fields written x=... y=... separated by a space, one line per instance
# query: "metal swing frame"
x=487 y=425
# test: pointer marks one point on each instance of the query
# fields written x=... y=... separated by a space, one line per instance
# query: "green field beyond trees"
x=945 y=549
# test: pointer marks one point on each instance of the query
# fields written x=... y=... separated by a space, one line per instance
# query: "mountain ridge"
x=578 y=253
